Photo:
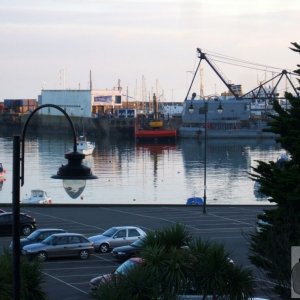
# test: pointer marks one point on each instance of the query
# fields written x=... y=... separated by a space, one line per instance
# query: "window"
x=74 y=240
x=121 y=233
x=133 y=232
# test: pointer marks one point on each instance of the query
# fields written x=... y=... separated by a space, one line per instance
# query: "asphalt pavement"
x=68 y=278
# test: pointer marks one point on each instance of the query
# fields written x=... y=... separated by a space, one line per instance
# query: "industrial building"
x=81 y=103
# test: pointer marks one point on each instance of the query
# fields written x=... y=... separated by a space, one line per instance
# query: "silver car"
x=60 y=245
x=115 y=237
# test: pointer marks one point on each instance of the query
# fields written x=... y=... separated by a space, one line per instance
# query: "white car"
x=116 y=237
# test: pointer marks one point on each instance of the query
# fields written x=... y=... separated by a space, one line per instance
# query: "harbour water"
x=144 y=174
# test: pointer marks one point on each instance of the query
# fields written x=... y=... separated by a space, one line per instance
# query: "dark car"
x=124 y=252
x=37 y=236
x=123 y=269
x=27 y=224
x=60 y=245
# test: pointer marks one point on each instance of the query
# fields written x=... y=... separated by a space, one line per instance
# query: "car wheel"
x=103 y=248
x=42 y=256
x=26 y=230
x=84 y=254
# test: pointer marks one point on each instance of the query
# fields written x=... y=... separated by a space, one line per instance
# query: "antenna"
x=201 y=83
x=91 y=85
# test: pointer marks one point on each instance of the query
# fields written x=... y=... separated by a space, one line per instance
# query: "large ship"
x=221 y=118
x=232 y=114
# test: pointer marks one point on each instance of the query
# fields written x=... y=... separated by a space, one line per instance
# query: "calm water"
x=144 y=174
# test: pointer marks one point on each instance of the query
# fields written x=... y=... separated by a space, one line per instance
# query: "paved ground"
x=68 y=278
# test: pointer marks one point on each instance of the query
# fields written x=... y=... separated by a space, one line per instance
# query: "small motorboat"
x=37 y=197
x=85 y=147
x=194 y=201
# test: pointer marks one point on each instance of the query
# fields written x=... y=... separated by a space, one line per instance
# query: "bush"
x=31 y=278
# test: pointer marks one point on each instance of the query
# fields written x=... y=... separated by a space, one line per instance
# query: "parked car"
x=122 y=269
x=60 y=245
x=115 y=237
x=37 y=236
x=124 y=252
x=27 y=223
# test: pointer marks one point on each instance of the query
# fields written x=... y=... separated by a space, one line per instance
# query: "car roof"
x=66 y=234
x=123 y=227
x=137 y=260
x=50 y=229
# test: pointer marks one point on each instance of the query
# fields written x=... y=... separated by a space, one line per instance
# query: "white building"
x=81 y=103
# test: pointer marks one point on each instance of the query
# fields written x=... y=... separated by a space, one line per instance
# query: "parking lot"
x=69 y=278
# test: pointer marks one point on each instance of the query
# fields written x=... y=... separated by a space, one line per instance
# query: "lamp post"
x=219 y=110
x=73 y=171
x=205 y=144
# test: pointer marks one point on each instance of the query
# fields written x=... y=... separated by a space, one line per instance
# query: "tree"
x=270 y=248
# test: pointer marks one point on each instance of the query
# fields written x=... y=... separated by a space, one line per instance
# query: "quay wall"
x=93 y=127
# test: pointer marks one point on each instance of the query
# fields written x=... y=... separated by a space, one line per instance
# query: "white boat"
x=85 y=147
x=37 y=197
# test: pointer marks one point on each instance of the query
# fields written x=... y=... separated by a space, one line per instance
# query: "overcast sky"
x=131 y=39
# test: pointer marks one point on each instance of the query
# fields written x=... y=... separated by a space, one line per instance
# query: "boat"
x=235 y=120
x=194 y=201
x=153 y=127
x=2 y=171
x=85 y=147
x=37 y=197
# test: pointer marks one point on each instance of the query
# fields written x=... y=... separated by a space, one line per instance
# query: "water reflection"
x=144 y=174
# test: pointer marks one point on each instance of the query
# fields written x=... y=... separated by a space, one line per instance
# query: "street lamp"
x=205 y=140
x=191 y=107
x=71 y=173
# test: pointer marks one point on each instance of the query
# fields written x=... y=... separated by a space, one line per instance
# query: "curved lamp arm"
x=25 y=128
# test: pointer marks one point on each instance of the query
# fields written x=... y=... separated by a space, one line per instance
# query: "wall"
x=74 y=102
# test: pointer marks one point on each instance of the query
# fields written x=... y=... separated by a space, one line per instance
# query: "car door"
x=75 y=245
x=59 y=247
x=133 y=235
x=119 y=238
x=6 y=224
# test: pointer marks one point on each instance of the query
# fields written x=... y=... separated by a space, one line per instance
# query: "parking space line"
x=68 y=284
x=68 y=220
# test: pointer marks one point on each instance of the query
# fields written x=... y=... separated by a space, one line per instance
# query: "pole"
x=205 y=142
x=16 y=218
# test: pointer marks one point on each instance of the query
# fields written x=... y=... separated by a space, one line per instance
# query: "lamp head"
x=74 y=174
x=220 y=109
x=191 y=108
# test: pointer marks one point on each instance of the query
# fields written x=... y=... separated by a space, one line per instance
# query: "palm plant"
x=137 y=284
x=31 y=279
x=174 y=264
x=215 y=274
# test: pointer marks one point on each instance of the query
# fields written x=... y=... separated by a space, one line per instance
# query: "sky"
x=147 y=44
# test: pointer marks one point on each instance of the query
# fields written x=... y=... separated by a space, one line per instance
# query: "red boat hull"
x=155 y=134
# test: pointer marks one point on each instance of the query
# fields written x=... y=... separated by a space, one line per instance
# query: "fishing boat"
x=153 y=127
x=85 y=147
x=37 y=197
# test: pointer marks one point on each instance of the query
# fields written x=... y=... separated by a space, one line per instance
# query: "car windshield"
x=48 y=240
x=138 y=243
x=125 y=267
x=33 y=235
x=110 y=231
